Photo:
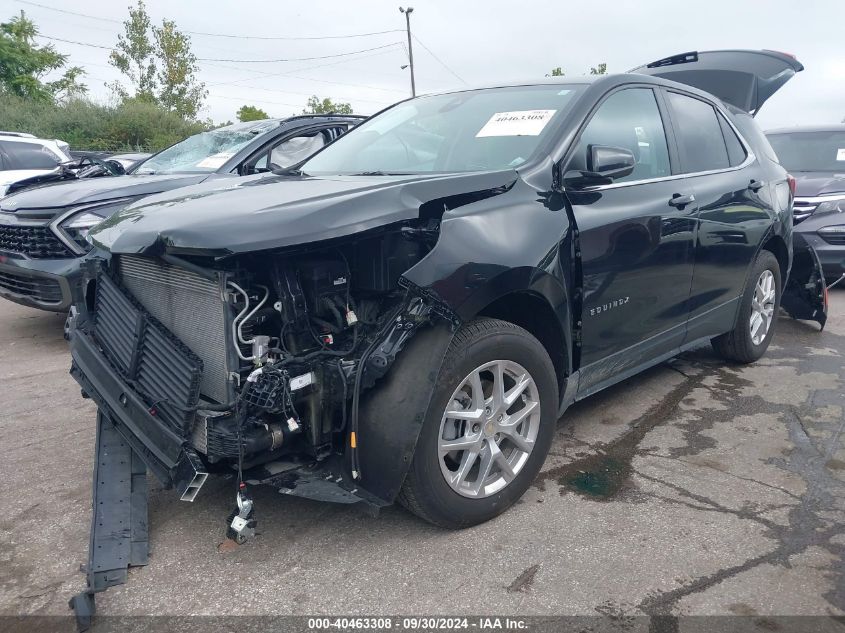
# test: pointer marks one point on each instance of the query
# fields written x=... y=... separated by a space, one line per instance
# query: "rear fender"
x=805 y=293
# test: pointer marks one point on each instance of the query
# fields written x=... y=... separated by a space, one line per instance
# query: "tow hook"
x=241 y=522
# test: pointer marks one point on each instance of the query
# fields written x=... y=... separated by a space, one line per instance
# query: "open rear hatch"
x=744 y=79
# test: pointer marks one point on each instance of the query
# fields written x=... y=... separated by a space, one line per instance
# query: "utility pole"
x=407 y=13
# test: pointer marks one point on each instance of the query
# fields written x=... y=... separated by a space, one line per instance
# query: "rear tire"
x=504 y=434
x=758 y=310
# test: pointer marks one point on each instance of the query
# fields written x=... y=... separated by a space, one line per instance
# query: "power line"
x=226 y=35
x=240 y=61
x=440 y=61
x=297 y=59
x=296 y=70
x=59 y=39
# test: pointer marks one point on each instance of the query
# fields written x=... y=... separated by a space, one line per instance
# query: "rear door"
x=636 y=238
x=742 y=78
x=729 y=185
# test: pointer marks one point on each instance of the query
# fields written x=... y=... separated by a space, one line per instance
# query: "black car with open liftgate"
x=407 y=314
x=43 y=229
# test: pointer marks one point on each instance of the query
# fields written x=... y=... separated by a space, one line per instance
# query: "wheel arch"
x=533 y=312
x=776 y=245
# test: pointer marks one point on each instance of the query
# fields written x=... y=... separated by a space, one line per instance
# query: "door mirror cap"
x=605 y=164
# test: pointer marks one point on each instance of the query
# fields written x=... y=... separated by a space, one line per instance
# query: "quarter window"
x=629 y=119
x=700 y=141
x=736 y=152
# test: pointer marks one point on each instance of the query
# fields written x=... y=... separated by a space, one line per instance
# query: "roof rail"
x=326 y=114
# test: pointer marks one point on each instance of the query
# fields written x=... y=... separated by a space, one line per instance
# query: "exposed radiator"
x=164 y=372
x=190 y=307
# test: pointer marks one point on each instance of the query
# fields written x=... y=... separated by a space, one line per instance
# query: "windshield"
x=458 y=132
x=203 y=152
x=810 y=151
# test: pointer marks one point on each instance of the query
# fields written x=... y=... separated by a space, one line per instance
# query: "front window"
x=206 y=151
x=475 y=130
x=810 y=151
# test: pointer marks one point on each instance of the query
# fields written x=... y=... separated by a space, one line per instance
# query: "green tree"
x=180 y=91
x=133 y=55
x=601 y=69
x=326 y=106
x=556 y=72
x=23 y=64
x=250 y=113
x=159 y=64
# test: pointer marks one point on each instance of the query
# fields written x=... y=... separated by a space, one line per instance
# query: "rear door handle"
x=755 y=185
x=679 y=201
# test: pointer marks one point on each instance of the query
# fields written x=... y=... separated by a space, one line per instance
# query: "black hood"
x=818 y=183
x=263 y=212
x=86 y=191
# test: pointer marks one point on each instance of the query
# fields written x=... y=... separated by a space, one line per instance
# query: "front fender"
x=392 y=413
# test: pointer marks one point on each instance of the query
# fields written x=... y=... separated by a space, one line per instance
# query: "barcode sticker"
x=518 y=123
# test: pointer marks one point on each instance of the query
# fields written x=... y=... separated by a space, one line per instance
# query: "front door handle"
x=678 y=201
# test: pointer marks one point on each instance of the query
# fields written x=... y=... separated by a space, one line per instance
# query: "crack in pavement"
x=608 y=473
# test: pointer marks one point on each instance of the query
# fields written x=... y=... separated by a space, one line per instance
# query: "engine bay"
x=310 y=330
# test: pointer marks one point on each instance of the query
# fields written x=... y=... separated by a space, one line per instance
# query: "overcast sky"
x=475 y=41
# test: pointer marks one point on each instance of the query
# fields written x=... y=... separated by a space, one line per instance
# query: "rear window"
x=810 y=151
x=699 y=133
x=21 y=155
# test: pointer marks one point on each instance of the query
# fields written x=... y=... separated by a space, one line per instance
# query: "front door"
x=637 y=243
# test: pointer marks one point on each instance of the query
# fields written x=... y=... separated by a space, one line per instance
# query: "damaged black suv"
x=406 y=314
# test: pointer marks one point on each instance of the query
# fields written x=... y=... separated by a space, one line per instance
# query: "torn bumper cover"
x=805 y=293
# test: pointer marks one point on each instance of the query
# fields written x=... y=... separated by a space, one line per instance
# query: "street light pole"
x=407 y=13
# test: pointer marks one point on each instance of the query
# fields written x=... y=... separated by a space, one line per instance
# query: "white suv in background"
x=24 y=156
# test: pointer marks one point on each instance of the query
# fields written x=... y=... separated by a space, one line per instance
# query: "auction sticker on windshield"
x=840 y=154
x=518 y=123
x=215 y=160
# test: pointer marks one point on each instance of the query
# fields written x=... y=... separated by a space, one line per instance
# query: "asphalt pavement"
x=696 y=487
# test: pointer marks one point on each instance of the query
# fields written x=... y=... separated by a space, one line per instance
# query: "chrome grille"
x=187 y=305
x=802 y=208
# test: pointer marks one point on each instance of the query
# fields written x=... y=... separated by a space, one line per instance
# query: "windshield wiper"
x=380 y=173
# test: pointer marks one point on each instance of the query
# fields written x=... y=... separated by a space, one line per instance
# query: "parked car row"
x=402 y=312
x=44 y=229
x=23 y=156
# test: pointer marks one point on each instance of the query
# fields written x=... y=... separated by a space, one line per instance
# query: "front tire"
x=755 y=325
x=488 y=427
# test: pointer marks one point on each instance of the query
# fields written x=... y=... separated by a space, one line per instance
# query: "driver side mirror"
x=116 y=168
x=605 y=164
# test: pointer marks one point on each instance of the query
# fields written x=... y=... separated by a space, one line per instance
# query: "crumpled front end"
x=255 y=366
